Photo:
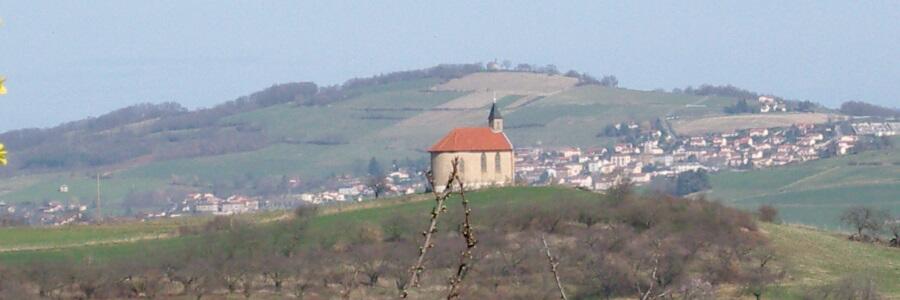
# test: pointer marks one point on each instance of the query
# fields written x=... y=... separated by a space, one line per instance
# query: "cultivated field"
x=816 y=192
x=731 y=123
x=510 y=83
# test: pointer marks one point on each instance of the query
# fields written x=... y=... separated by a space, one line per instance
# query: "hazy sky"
x=67 y=60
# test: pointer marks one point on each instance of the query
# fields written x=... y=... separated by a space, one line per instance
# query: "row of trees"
x=859 y=108
x=718 y=90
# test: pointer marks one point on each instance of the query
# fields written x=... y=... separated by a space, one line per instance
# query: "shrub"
x=768 y=213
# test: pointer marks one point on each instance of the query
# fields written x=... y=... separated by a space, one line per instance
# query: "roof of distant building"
x=472 y=139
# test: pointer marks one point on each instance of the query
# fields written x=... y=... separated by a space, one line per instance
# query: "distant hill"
x=303 y=130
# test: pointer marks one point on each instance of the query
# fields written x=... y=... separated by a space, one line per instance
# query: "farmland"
x=723 y=124
x=816 y=192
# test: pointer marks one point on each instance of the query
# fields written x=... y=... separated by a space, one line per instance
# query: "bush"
x=768 y=213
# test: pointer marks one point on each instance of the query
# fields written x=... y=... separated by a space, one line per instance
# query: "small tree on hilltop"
x=865 y=220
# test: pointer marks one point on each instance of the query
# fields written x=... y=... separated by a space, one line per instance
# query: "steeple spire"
x=495 y=120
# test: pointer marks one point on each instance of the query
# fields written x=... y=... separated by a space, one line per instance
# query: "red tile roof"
x=472 y=139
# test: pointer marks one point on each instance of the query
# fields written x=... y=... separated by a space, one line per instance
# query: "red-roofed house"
x=485 y=153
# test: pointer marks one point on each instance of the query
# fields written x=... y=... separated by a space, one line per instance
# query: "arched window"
x=483 y=162
x=497 y=162
x=461 y=166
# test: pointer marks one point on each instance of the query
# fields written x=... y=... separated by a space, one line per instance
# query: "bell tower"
x=495 y=120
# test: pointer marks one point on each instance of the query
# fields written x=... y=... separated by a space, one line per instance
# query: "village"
x=641 y=156
x=651 y=156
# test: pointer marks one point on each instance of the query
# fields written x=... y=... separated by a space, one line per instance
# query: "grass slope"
x=812 y=258
x=815 y=258
x=816 y=192
x=583 y=111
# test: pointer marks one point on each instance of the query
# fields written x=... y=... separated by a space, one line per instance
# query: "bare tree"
x=554 y=263
x=893 y=227
x=427 y=244
x=465 y=257
x=762 y=274
x=466 y=230
x=865 y=220
x=378 y=184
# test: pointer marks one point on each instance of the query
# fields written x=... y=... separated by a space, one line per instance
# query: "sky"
x=67 y=60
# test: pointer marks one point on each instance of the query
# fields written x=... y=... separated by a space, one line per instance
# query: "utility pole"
x=99 y=204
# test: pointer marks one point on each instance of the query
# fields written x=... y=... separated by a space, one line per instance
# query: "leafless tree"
x=554 y=263
x=465 y=256
x=865 y=220
x=427 y=244
x=893 y=228
x=762 y=273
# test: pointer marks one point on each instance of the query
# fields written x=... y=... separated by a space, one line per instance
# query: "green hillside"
x=816 y=192
x=396 y=120
x=814 y=258
x=583 y=111
x=811 y=258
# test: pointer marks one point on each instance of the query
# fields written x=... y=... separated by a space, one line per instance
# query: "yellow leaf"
x=2 y=88
x=2 y=155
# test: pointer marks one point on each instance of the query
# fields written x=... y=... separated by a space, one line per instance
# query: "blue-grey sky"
x=67 y=60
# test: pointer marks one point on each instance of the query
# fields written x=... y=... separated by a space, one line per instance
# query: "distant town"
x=642 y=156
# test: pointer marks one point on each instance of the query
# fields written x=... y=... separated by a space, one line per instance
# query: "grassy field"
x=811 y=258
x=814 y=258
x=583 y=111
x=816 y=192
x=719 y=124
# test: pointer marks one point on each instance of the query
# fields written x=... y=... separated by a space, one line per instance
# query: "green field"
x=583 y=111
x=816 y=192
x=812 y=258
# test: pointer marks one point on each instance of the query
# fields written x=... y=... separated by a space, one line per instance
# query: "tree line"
x=859 y=108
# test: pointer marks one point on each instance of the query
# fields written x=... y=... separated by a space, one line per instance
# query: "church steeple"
x=495 y=120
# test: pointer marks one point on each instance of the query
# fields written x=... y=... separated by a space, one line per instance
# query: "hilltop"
x=301 y=130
